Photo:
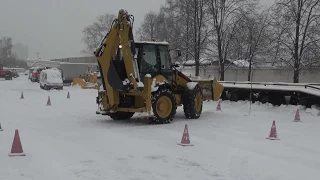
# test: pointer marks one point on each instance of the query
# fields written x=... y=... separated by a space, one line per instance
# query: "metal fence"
x=310 y=75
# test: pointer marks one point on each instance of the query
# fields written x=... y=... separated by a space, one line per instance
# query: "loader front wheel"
x=164 y=106
x=121 y=115
x=192 y=102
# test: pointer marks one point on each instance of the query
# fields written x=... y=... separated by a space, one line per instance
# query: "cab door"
x=165 y=62
x=149 y=60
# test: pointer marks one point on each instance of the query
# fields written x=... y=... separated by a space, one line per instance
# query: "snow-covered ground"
x=69 y=141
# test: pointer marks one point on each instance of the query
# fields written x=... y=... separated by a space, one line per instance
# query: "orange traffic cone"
x=16 y=149
x=22 y=96
x=185 y=140
x=68 y=96
x=49 y=101
x=273 y=132
x=1 y=127
x=219 y=106
x=297 y=117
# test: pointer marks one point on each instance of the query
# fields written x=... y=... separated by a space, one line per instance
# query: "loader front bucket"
x=79 y=81
x=211 y=88
x=83 y=84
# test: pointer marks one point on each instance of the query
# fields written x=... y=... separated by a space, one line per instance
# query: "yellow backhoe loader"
x=139 y=77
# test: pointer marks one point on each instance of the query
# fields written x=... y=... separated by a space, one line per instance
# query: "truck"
x=75 y=70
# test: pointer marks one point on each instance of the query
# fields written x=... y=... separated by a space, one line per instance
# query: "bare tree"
x=169 y=24
x=95 y=32
x=200 y=31
x=5 y=50
x=254 y=35
x=225 y=15
x=148 y=28
x=183 y=28
x=194 y=30
x=298 y=26
x=7 y=57
x=182 y=23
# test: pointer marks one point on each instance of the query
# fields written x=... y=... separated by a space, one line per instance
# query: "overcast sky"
x=53 y=27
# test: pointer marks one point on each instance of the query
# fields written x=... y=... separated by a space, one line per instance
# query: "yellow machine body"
x=123 y=63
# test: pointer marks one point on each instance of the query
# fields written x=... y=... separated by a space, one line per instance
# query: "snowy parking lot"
x=69 y=141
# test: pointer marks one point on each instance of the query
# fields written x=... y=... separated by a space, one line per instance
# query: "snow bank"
x=241 y=63
x=314 y=110
x=203 y=78
x=78 y=144
x=191 y=85
x=77 y=86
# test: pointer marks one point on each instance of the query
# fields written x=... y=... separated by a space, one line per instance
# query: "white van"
x=51 y=79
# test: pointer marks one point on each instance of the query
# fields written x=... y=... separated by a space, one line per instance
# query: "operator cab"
x=152 y=58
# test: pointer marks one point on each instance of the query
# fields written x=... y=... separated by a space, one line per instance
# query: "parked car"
x=50 y=79
x=35 y=73
x=6 y=74
x=15 y=74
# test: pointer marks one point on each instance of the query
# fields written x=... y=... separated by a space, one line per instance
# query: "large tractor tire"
x=121 y=115
x=192 y=102
x=164 y=106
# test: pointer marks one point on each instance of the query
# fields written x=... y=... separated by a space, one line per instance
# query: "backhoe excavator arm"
x=120 y=35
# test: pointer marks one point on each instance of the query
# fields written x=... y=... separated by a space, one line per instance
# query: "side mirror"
x=178 y=52
x=175 y=65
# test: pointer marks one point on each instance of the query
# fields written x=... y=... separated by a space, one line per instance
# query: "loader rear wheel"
x=164 y=106
x=121 y=115
x=192 y=102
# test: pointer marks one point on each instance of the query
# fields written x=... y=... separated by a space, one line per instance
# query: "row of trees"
x=287 y=33
x=7 y=58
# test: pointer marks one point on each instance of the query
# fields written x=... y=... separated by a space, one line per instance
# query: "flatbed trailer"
x=306 y=94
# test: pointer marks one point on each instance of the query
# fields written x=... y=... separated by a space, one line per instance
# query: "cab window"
x=165 y=58
x=149 y=63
